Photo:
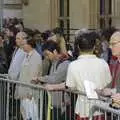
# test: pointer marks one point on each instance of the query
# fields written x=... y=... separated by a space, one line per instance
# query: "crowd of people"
x=33 y=57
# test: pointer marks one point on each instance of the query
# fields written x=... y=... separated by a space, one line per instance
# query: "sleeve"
x=13 y=76
x=59 y=75
x=36 y=67
x=70 y=81
x=108 y=77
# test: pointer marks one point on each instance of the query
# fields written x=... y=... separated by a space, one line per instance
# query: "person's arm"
x=36 y=67
x=57 y=87
x=58 y=76
x=71 y=80
x=107 y=83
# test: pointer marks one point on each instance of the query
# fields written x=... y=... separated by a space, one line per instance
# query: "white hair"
x=22 y=34
x=115 y=36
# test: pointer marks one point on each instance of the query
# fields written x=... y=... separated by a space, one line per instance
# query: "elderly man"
x=115 y=63
x=16 y=63
x=18 y=57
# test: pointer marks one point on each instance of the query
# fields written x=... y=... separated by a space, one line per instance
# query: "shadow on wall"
x=25 y=2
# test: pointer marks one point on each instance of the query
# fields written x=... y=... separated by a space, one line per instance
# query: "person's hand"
x=49 y=87
x=107 y=92
x=35 y=80
x=116 y=96
x=104 y=92
x=98 y=91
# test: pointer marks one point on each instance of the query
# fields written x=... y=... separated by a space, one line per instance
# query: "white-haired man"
x=115 y=62
x=18 y=57
x=15 y=65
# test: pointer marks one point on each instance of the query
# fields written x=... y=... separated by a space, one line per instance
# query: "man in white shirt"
x=87 y=68
x=18 y=57
x=91 y=70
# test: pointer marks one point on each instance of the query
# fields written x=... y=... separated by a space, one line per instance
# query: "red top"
x=115 y=70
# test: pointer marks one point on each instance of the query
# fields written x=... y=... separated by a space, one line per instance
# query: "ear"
x=55 y=51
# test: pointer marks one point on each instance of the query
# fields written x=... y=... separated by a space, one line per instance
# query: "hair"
x=45 y=35
x=2 y=35
x=29 y=32
x=107 y=33
x=13 y=29
x=22 y=34
x=58 y=30
x=30 y=41
x=115 y=36
x=51 y=46
x=86 y=41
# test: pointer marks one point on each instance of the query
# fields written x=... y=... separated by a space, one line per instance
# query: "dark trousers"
x=3 y=100
x=57 y=114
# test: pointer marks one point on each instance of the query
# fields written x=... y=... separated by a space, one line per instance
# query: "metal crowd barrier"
x=49 y=105
x=110 y=113
x=10 y=104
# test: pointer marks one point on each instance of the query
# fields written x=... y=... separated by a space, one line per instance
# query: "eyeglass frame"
x=114 y=43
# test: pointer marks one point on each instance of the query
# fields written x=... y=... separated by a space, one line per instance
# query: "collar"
x=119 y=60
x=87 y=56
x=114 y=58
x=30 y=53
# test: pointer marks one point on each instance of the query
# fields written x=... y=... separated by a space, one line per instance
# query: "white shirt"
x=91 y=68
x=15 y=65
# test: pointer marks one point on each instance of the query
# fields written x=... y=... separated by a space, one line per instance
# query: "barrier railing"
x=21 y=101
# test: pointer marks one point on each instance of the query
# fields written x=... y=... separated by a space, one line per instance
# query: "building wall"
x=79 y=14
x=11 y=13
x=43 y=14
x=11 y=8
x=37 y=14
x=116 y=13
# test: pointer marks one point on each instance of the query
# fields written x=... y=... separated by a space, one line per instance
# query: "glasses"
x=114 y=43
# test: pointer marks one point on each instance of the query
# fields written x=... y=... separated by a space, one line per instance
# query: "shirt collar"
x=30 y=53
x=119 y=60
x=87 y=56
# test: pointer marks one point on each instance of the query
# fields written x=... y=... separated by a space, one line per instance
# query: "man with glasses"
x=115 y=68
x=115 y=62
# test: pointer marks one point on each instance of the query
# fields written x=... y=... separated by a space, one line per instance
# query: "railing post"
x=49 y=107
x=7 y=106
x=1 y=14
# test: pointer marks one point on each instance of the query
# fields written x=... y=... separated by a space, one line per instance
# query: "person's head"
x=8 y=32
x=86 y=41
x=20 y=38
x=38 y=38
x=115 y=44
x=11 y=31
x=1 y=39
x=51 y=50
x=58 y=31
x=29 y=44
x=107 y=33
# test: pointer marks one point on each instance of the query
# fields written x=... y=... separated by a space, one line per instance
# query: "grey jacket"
x=57 y=75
